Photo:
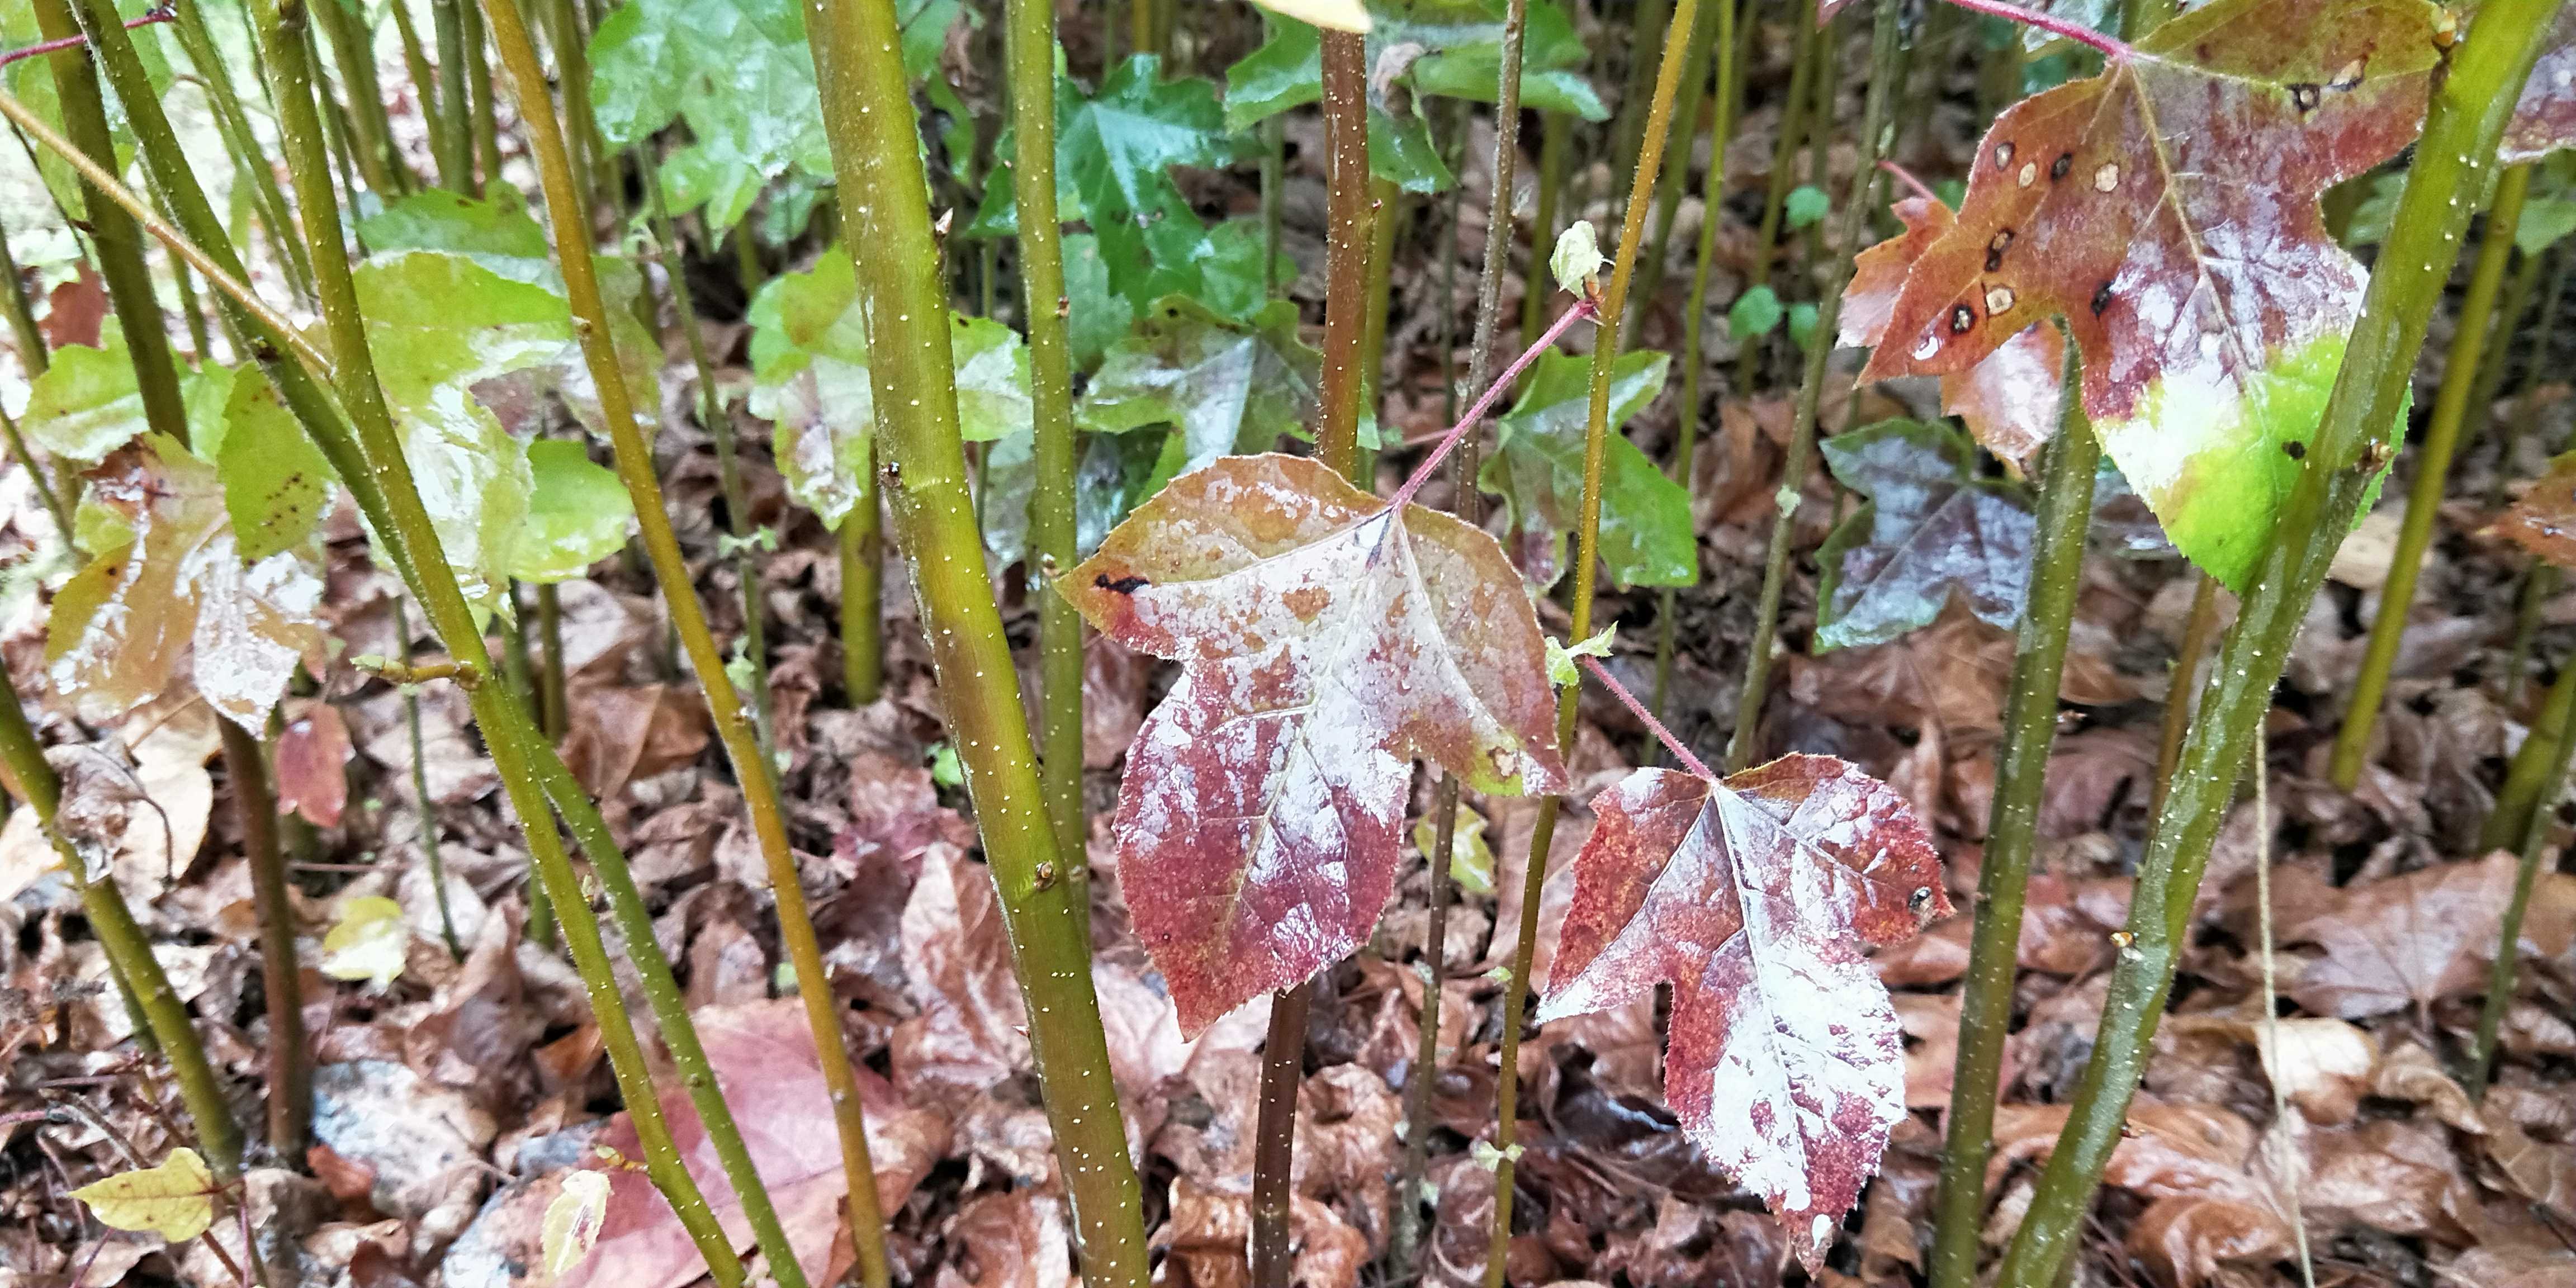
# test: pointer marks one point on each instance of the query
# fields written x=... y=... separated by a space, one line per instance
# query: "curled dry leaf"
x=1326 y=642
x=2167 y=210
x=1754 y=897
x=2009 y=398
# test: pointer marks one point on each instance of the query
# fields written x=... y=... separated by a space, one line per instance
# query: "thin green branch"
x=2508 y=951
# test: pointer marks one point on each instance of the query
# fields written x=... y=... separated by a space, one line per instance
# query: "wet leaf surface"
x=1930 y=529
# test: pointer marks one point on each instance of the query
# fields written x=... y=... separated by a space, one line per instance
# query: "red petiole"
x=2115 y=50
x=1476 y=413
x=1663 y=735
x=159 y=13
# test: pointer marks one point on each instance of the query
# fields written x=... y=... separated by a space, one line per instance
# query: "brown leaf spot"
x=1995 y=249
x=2057 y=169
x=1121 y=586
x=1961 y=318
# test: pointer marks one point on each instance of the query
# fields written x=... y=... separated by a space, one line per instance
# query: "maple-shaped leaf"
x=1326 y=642
x=2544 y=118
x=1930 y=528
x=1754 y=897
x=2167 y=210
x=2543 y=521
x=168 y=588
x=2009 y=399
x=1537 y=468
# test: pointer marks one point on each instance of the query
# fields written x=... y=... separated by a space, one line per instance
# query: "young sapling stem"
x=2508 y=951
x=1581 y=310
x=1681 y=751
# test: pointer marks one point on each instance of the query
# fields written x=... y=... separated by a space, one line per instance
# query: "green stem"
x=1802 y=430
x=480 y=107
x=427 y=808
x=2528 y=774
x=452 y=138
x=1596 y=444
x=2509 y=936
x=719 y=426
x=2432 y=473
x=355 y=55
x=1821 y=86
x=1555 y=143
x=1694 y=324
x=2198 y=629
x=1677 y=155
x=290 y=1066
x=1627 y=133
x=2468 y=113
x=2526 y=404
x=2498 y=355
x=26 y=458
x=2030 y=728
x=1274 y=161
x=861 y=546
x=268 y=201
x=2538 y=584
x=1805 y=46
x=116 y=238
x=371 y=462
x=201 y=345
x=424 y=76
x=566 y=35
x=567 y=212
x=1031 y=46
x=554 y=703
x=868 y=116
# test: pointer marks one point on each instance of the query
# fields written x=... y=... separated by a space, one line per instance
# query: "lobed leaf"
x=1227 y=387
x=1754 y=898
x=2167 y=209
x=578 y=514
x=1537 y=468
x=1326 y=642
x=1929 y=530
x=2544 y=117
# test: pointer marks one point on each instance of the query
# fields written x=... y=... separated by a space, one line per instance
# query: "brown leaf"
x=619 y=734
x=1326 y=642
x=1009 y=1240
x=1208 y=1230
x=311 y=763
x=2410 y=940
x=75 y=309
x=971 y=1031
x=766 y=1064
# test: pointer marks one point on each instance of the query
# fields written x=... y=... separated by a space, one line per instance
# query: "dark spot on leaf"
x=1961 y=318
x=2297 y=450
x=2305 y=96
x=1995 y=249
x=1127 y=585
x=2057 y=169
x=2101 y=299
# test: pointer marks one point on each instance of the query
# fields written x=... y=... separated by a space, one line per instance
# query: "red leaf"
x=1754 y=898
x=2543 y=521
x=2167 y=210
x=75 y=309
x=312 y=760
x=2544 y=118
x=1325 y=643
x=2009 y=399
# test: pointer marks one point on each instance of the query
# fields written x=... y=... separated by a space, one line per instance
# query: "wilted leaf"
x=174 y=588
x=578 y=514
x=175 y=1200
x=369 y=943
x=1326 y=642
x=1929 y=529
x=1537 y=468
x=2167 y=210
x=311 y=762
x=1577 y=260
x=1754 y=898
x=2010 y=399
x=1228 y=387
x=573 y=1218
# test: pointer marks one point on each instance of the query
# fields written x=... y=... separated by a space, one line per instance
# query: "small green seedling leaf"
x=1806 y=204
x=945 y=768
x=1755 y=313
x=1560 y=657
x=175 y=1200
x=1802 y=324
x=1577 y=261
x=1471 y=860
x=370 y=943
x=573 y=1220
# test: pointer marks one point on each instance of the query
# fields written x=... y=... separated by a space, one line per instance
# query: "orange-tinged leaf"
x=2544 y=520
x=2167 y=209
x=1326 y=643
x=2009 y=399
x=177 y=591
x=1754 y=897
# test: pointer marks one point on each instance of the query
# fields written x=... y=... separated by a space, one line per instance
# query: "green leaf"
x=498 y=234
x=1115 y=474
x=1099 y=315
x=86 y=404
x=1754 y=313
x=1929 y=530
x=578 y=514
x=1447 y=48
x=277 y=485
x=1802 y=323
x=2545 y=220
x=1537 y=468
x=1471 y=860
x=31 y=81
x=371 y=942
x=809 y=352
x=1229 y=388
x=1576 y=262
x=1806 y=204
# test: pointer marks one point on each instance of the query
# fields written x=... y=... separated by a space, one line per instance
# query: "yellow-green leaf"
x=572 y=1222
x=175 y=1200
x=369 y=943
